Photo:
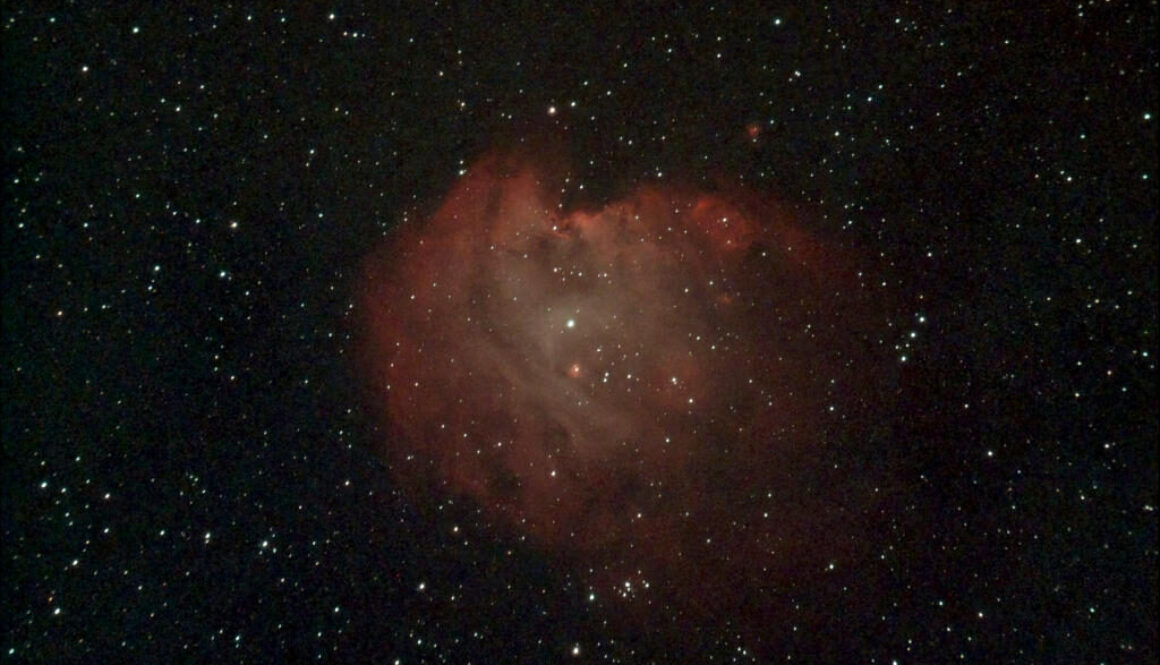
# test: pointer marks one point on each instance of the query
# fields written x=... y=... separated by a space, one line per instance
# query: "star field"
x=193 y=467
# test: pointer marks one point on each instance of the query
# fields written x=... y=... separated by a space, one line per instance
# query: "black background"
x=187 y=463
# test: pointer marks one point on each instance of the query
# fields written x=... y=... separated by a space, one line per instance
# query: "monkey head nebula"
x=665 y=390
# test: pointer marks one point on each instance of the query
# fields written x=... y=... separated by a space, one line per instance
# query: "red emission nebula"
x=662 y=391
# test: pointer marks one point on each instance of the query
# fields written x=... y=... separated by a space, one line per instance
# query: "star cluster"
x=190 y=468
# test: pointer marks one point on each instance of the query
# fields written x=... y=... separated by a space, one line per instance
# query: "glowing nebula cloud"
x=656 y=390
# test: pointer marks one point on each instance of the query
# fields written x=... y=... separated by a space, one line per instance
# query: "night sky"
x=199 y=320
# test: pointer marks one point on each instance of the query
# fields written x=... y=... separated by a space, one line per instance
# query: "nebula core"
x=661 y=390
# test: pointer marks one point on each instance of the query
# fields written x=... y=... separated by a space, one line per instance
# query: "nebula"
x=663 y=390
